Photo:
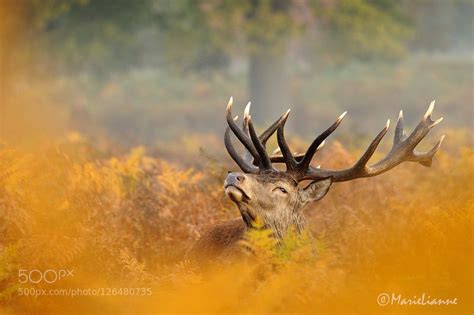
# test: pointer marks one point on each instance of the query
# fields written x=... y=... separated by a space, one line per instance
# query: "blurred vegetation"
x=111 y=158
x=151 y=71
x=104 y=35
x=126 y=221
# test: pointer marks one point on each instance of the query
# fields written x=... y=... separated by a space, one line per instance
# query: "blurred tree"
x=443 y=25
x=102 y=35
x=361 y=29
x=96 y=36
x=263 y=30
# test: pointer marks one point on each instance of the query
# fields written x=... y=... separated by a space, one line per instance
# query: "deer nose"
x=234 y=178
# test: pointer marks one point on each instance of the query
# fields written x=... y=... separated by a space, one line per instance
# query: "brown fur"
x=219 y=240
x=262 y=204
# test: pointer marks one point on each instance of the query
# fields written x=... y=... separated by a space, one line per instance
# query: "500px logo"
x=47 y=276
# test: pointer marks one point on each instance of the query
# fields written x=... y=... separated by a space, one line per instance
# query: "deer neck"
x=281 y=224
x=289 y=222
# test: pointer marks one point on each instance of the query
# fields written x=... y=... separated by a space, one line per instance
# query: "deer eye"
x=283 y=190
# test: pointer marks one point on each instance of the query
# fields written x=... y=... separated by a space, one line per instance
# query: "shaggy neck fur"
x=279 y=223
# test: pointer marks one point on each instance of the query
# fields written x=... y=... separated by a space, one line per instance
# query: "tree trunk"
x=268 y=85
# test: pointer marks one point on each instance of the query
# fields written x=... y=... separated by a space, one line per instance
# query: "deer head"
x=274 y=197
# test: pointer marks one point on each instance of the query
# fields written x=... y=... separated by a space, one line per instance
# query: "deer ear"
x=316 y=190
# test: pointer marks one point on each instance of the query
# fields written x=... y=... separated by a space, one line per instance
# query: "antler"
x=298 y=166
x=403 y=149
x=255 y=153
x=275 y=158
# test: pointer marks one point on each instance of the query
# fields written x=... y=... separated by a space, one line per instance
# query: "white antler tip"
x=342 y=115
x=387 y=124
x=236 y=117
x=400 y=115
x=437 y=121
x=430 y=110
x=319 y=166
x=229 y=104
x=442 y=138
x=247 y=109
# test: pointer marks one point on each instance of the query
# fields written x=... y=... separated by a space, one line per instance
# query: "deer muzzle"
x=233 y=187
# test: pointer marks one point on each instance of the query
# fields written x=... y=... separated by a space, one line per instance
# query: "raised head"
x=275 y=198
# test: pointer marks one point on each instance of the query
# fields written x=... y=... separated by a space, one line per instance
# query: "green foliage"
x=107 y=36
x=298 y=247
x=96 y=36
x=295 y=247
x=255 y=25
x=363 y=30
x=187 y=40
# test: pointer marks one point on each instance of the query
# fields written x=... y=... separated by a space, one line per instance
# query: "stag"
x=265 y=194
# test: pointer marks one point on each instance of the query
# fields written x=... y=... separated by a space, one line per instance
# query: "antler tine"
x=318 y=143
x=265 y=163
x=271 y=130
x=238 y=132
x=426 y=158
x=422 y=128
x=285 y=150
x=399 y=135
x=245 y=127
x=254 y=146
x=243 y=164
x=420 y=131
x=360 y=168
x=362 y=163
x=403 y=150
x=264 y=136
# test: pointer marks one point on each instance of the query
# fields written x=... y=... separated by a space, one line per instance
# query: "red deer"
x=275 y=197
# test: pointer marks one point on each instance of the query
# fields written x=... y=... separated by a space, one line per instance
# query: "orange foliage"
x=126 y=222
